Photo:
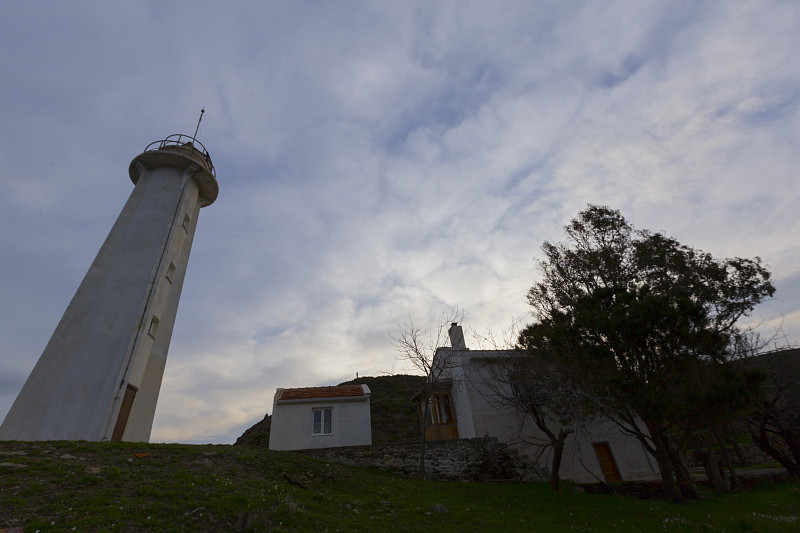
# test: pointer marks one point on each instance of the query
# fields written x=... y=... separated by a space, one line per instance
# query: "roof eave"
x=327 y=400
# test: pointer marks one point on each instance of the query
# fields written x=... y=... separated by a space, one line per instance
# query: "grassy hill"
x=79 y=486
x=394 y=415
x=257 y=434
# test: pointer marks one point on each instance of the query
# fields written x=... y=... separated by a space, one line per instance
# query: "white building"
x=462 y=407
x=99 y=376
x=320 y=417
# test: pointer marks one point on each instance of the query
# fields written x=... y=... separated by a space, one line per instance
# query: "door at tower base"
x=124 y=413
x=100 y=374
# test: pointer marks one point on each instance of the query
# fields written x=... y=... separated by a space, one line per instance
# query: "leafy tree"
x=650 y=323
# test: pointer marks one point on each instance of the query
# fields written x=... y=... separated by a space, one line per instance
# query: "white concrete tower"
x=99 y=376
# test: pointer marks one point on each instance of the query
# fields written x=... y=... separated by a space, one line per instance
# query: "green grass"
x=236 y=488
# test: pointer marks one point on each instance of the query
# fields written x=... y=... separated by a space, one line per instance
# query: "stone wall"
x=465 y=459
x=752 y=455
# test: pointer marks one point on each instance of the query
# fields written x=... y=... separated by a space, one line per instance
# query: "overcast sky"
x=379 y=161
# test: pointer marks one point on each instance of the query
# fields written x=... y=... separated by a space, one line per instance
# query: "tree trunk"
x=732 y=438
x=686 y=484
x=762 y=441
x=556 y=466
x=558 y=452
x=713 y=473
x=728 y=463
x=424 y=438
x=556 y=442
x=665 y=466
x=668 y=476
x=792 y=438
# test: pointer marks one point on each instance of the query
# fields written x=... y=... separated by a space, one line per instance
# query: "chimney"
x=456 y=337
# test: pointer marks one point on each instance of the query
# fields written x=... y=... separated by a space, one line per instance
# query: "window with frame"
x=440 y=410
x=322 y=421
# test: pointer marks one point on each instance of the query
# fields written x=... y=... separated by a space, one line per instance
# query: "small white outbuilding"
x=320 y=417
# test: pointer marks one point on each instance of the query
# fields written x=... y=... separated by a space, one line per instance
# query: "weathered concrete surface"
x=115 y=334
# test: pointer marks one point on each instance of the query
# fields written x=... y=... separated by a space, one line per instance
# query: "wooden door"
x=124 y=412
x=441 y=424
x=607 y=462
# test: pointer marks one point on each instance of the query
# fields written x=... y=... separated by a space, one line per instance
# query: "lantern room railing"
x=187 y=144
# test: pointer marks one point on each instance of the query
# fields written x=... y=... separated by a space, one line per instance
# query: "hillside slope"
x=132 y=487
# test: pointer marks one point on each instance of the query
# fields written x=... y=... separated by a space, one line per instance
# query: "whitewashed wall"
x=292 y=424
x=478 y=416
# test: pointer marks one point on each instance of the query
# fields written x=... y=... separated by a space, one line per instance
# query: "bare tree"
x=425 y=349
x=537 y=390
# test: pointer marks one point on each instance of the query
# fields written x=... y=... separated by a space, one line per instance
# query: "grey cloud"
x=379 y=162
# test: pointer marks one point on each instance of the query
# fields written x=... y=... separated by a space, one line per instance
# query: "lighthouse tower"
x=99 y=376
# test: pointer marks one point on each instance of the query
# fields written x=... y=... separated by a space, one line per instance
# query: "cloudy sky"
x=379 y=161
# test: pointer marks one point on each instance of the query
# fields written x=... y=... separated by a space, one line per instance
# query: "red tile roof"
x=306 y=393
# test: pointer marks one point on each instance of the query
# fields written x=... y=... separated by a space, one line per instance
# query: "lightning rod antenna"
x=198 y=122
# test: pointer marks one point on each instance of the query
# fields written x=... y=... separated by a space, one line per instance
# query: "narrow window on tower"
x=153 y=329
x=186 y=221
x=171 y=271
